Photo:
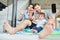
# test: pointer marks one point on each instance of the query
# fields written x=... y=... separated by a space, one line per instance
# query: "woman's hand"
x=22 y=12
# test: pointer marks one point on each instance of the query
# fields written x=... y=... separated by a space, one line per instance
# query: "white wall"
x=47 y=3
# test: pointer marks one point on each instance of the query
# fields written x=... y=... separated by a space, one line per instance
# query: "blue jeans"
x=37 y=28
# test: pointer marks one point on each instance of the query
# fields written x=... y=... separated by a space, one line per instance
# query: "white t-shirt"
x=40 y=23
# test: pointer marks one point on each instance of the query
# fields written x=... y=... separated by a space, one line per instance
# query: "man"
x=50 y=25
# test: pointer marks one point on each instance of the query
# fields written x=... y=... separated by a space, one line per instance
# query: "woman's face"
x=37 y=8
x=30 y=8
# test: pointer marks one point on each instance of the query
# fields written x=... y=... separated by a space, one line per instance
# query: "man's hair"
x=41 y=13
x=36 y=4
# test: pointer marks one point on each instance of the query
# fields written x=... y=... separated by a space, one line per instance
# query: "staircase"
x=6 y=14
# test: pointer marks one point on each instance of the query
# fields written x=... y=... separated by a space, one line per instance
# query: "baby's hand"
x=33 y=18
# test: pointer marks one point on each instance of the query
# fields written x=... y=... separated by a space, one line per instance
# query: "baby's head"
x=41 y=15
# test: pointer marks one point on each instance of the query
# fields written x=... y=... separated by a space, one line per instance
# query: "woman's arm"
x=22 y=14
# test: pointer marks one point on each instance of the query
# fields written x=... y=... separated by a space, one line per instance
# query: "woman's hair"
x=31 y=4
x=41 y=13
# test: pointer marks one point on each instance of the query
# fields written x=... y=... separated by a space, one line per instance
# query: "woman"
x=27 y=15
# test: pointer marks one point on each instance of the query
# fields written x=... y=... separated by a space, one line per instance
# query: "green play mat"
x=28 y=32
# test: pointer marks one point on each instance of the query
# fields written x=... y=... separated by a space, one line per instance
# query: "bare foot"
x=8 y=27
x=46 y=31
x=33 y=31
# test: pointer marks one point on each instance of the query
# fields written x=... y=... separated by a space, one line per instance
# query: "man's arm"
x=50 y=17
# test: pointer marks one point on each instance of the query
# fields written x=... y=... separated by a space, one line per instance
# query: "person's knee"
x=28 y=22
